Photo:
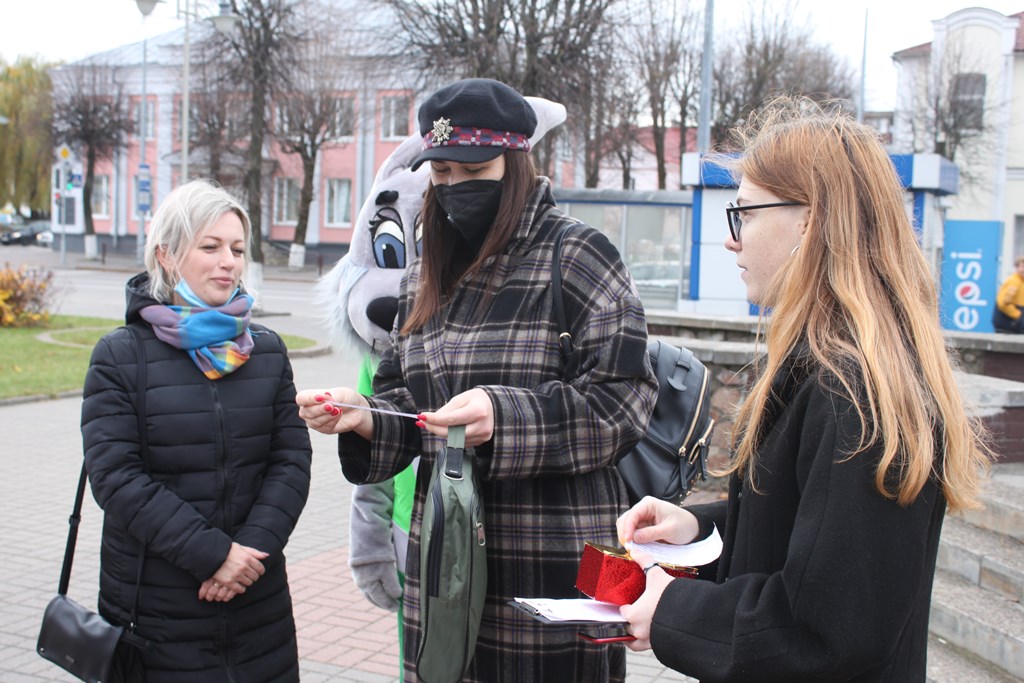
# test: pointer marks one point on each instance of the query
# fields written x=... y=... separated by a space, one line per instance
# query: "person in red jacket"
x=850 y=444
x=1008 y=315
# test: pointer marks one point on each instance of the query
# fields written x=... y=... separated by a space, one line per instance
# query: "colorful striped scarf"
x=217 y=338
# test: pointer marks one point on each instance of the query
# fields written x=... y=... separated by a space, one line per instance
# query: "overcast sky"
x=72 y=29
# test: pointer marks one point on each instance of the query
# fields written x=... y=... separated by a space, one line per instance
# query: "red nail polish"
x=329 y=409
x=420 y=424
x=318 y=398
x=327 y=394
x=421 y=416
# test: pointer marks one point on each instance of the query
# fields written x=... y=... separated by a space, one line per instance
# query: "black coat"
x=229 y=461
x=821 y=578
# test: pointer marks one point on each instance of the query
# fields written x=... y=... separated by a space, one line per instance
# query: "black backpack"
x=667 y=460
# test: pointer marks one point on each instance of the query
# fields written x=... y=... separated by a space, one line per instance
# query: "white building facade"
x=964 y=92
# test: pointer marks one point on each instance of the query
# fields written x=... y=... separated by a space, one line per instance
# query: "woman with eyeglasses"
x=848 y=448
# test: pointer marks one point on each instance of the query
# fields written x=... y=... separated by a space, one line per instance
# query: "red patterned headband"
x=446 y=135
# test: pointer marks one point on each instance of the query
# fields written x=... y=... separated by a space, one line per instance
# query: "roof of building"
x=925 y=48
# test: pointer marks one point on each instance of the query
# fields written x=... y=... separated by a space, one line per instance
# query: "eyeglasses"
x=732 y=213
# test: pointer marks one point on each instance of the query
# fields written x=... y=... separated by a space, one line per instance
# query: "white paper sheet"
x=690 y=555
x=573 y=609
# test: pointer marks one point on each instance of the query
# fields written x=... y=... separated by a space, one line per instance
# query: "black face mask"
x=470 y=207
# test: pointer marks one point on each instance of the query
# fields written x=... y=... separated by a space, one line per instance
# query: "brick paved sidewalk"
x=342 y=637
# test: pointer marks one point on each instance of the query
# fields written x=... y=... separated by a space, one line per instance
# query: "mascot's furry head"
x=361 y=291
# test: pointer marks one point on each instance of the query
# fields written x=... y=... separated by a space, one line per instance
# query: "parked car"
x=657 y=282
x=44 y=237
x=28 y=234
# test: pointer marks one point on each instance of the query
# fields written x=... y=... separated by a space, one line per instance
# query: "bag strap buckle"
x=455 y=452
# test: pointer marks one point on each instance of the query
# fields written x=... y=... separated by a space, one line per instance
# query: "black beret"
x=474 y=120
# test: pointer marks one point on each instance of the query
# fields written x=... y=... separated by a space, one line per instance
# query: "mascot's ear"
x=401 y=159
x=549 y=115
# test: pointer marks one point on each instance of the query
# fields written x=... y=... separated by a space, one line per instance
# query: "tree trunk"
x=305 y=198
x=90 y=165
x=215 y=152
x=296 y=256
x=658 y=132
x=254 y=171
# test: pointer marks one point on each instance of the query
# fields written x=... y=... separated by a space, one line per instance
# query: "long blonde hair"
x=860 y=295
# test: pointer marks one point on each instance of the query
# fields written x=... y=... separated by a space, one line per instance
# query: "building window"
x=968 y=101
x=394 y=117
x=286 y=200
x=344 y=119
x=101 y=196
x=339 y=201
x=150 y=118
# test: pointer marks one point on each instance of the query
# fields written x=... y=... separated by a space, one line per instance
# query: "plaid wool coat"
x=548 y=480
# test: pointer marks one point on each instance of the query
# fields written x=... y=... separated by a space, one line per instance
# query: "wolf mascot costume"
x=361 y=293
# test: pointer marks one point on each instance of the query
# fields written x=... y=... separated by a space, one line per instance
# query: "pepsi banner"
x=970 y=270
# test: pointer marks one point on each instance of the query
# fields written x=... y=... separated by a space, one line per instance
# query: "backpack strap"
x=569 y=356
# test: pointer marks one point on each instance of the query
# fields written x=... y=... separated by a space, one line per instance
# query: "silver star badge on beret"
x=442 y=130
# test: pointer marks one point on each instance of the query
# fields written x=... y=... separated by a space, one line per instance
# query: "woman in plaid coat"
x=476 y=344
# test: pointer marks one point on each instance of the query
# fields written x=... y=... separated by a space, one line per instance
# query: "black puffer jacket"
x=229 y=461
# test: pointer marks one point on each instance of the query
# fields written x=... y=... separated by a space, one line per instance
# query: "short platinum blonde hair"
x=180 y=220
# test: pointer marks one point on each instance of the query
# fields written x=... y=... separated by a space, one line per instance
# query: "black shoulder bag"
x=77 y=639
x=673 y=452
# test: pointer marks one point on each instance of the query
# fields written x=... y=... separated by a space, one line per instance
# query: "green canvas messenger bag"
x=453 y=564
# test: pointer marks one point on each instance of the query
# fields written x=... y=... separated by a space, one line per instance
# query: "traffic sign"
x=76 y=179
x=144 y=194
x=64 y=152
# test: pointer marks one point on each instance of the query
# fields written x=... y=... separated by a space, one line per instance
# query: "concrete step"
x=984 y=558
x=948 y=664
x=979 y=621
x=1003 y=500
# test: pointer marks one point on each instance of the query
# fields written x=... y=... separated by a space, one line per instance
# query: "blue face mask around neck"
x=185 y=292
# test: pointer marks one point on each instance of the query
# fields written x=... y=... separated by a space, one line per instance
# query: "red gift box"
x=609 y=575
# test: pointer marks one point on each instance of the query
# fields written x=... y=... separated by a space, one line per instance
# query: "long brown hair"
x=442 y=266
x=859 y=293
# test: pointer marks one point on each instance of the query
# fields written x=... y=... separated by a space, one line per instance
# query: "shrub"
x=26 y=295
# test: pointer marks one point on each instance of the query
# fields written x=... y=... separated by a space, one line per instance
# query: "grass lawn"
x=30 y=367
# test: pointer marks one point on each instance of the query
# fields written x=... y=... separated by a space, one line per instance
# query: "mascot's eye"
x=389 y=245
x=419 y=235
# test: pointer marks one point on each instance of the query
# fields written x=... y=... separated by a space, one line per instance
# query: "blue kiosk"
x=964 y=253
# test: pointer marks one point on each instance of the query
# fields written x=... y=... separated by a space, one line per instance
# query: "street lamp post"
x=185 y=112
x=224 y=23
x=146 y=7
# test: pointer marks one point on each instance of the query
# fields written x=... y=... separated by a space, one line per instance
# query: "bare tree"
x=90 y=113
x=317 y=109
x=771 y=54
x=656 y=44
x=219 y=117
x=25 y=140
x=955 y=114
x=547 y=49
x=263 y=44
x=621 y=137
x=686 y=81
